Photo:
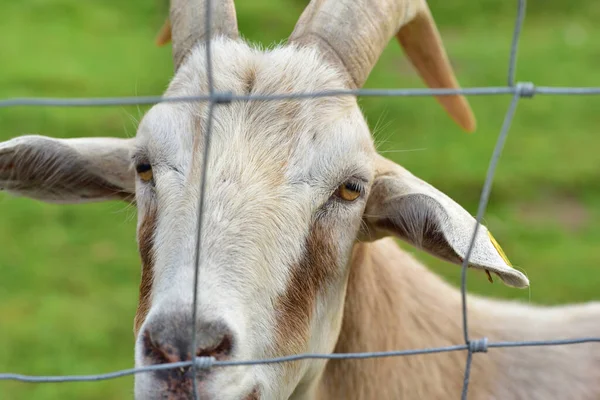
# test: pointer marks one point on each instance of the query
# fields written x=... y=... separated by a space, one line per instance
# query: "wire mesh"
x=516 y=89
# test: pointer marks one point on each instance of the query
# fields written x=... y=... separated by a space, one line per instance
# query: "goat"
x=297 y=253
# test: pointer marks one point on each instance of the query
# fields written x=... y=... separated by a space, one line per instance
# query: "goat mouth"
x=186 y=394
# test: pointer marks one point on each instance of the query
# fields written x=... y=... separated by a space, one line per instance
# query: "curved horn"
x=354 y=33
x=187 y=21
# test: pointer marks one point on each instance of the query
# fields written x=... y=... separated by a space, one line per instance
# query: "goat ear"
x=67 y=170
x=403 y=205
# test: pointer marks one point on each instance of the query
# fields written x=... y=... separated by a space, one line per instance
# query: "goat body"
x=393 y=302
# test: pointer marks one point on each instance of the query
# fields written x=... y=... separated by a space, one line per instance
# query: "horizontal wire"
x=229 y=97
x=297 y=357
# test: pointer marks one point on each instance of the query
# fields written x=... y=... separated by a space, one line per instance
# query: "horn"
x=187 y=19
x=164 y=35
x=354 y=33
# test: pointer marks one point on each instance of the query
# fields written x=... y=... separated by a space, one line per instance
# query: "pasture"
x=69 y=274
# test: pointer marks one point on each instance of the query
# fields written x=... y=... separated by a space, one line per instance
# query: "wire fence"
x=517 y=90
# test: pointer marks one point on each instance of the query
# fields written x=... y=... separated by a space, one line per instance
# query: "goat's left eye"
x=144 y=171
x=349 y=191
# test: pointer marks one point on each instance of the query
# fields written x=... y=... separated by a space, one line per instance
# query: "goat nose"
x=169 y=339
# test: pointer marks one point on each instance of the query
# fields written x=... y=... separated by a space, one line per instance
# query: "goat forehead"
x=242 y=69
x=297 y=135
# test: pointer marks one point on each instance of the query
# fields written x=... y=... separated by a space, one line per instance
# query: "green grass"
x=69 y=274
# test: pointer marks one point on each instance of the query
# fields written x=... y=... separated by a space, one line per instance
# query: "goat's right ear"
x=67 y=170
x=405 y=206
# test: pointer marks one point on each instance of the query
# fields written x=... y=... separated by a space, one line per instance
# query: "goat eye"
x=349 y=191
x=144 y=171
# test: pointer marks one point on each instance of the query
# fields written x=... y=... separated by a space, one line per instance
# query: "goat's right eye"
x=144 y=171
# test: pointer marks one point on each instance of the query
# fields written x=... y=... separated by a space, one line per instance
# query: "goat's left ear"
x=403 y=205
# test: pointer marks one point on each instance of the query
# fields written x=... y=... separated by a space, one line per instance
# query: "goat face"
x=286 y=185
x=290 y=186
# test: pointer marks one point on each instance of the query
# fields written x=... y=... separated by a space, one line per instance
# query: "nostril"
x=221 y=351
x=159 y=353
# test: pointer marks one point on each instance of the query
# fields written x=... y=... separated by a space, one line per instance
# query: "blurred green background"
x=69 y=274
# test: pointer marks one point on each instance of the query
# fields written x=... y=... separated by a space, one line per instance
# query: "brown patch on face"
x=146 y=249
x=295 y=307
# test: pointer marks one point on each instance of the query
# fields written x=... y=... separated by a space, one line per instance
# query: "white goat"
x=297 y=203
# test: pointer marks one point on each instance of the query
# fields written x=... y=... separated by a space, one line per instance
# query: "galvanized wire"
x=512 y=64
x=516 y=90
x=485 y=195
x=200 y=209
x=209 y=362
x=225 y=97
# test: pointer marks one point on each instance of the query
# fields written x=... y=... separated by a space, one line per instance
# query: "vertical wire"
x=199 y=241
x=511 y=71
x=209 y=121
x=487 y=186
x=467 y=376
x=485 y=195
x=512 y=64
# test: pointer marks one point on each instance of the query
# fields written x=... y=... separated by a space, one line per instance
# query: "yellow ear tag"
x=499 y=249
